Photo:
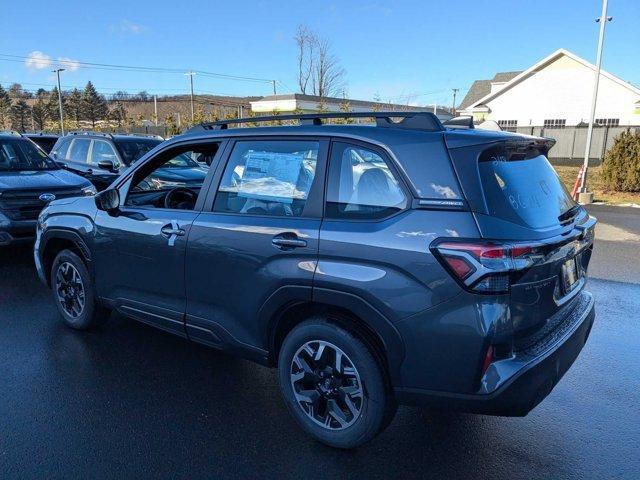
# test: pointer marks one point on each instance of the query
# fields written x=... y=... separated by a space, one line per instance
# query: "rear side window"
x=268 y=178
x=523 y=191
x=361 y=185
x=79 y=150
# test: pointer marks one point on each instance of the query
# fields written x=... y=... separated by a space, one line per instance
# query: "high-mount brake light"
x=484 y=266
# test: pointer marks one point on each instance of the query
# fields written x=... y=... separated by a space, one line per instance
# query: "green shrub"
x=621 y=166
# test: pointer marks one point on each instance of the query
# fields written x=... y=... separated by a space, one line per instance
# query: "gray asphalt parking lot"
x=128 y=401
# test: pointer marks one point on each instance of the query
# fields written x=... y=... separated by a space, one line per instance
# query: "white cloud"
x=69 y=64
x=37 y=60
x=127 y=26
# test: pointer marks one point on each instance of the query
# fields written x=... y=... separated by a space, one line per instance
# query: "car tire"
x=342 y=407
x=73 y=292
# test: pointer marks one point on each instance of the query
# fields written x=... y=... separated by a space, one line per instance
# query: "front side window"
x=361 y=185
x=79 y=150
x=268 y=177
x=172 y=179
x=22 y=155
x=103 y=151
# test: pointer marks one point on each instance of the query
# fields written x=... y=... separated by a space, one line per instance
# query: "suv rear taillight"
x=485 y=267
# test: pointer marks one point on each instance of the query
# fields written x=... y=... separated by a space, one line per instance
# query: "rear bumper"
x=526 y=379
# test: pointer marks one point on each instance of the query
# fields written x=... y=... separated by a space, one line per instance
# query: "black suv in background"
x=101 y=157
x=403 y=262
x=29 y=179
x=45 y=141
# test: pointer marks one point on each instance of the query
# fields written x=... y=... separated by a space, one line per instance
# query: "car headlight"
x=88 y=191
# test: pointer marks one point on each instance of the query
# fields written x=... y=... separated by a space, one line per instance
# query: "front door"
x=256 y=240
x=140 y=250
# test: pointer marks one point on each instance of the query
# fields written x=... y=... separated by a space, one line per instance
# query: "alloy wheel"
x=70 y=289
x=326 y=385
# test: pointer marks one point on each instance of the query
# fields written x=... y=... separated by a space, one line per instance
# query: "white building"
x=555 y=92
x=298 y=102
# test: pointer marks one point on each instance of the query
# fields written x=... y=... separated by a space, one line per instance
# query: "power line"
x=133 y=68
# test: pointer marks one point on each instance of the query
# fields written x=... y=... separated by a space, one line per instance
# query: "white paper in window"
x=271 y=176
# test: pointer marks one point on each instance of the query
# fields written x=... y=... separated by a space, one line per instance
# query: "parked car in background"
x=101 y=157
x=403 y=263
x=29 y=179
x=45 y=141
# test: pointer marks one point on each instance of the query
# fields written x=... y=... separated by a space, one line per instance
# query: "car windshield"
x=131 y=149
x=19 y=154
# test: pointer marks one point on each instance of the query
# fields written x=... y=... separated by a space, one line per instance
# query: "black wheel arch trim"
x=289 y=296
x=65 y=234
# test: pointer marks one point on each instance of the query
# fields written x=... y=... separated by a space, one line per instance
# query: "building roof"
x=353 y=103
x=481 y=88
x=521 y=76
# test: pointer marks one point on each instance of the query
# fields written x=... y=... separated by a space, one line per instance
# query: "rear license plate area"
x=570 y=275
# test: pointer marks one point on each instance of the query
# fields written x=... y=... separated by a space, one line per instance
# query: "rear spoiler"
x=463 y=121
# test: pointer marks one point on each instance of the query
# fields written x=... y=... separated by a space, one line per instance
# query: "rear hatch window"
x=525 y=191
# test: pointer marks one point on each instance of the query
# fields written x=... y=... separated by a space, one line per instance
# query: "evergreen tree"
x=16 y=91
x=40 y=110
x=94 y=106
x=53 y=106
x=74 y=106
x=5 y=109
x=118 y=113
x=20 y=113
x=171 y=127
x=198 y=115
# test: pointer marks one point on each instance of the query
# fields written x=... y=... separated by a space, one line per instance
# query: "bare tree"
x=328 y=75
x=318 y=65
x=305 y=41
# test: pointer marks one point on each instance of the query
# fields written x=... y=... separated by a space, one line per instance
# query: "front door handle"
x=288 y=241
x=172 y=231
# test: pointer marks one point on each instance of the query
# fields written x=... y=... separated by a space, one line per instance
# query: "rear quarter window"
x=426 y=162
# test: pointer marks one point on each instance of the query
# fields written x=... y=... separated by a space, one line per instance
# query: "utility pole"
x=191 y=74
x=155 y=108
x=274 y=87
x=603 y=19
x=57 y=72
x=453 y=107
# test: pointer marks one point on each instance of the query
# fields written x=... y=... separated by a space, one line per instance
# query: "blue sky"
x=402 y=49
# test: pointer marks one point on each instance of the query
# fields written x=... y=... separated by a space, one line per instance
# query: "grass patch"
x=568 y=175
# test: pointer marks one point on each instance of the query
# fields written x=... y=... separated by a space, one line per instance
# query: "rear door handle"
x=288 y=241
x=172 y=231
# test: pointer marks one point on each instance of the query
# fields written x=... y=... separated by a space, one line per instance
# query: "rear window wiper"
x=569 y=214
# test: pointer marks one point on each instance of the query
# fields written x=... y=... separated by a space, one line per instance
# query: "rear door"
x=257 y=239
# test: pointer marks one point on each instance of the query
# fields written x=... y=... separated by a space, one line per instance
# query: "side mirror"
x=108 y=165
x=108 y=200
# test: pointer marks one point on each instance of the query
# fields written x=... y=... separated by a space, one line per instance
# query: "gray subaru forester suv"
x=402 y=262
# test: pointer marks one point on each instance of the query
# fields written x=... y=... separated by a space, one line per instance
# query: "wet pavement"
x=128 y=401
